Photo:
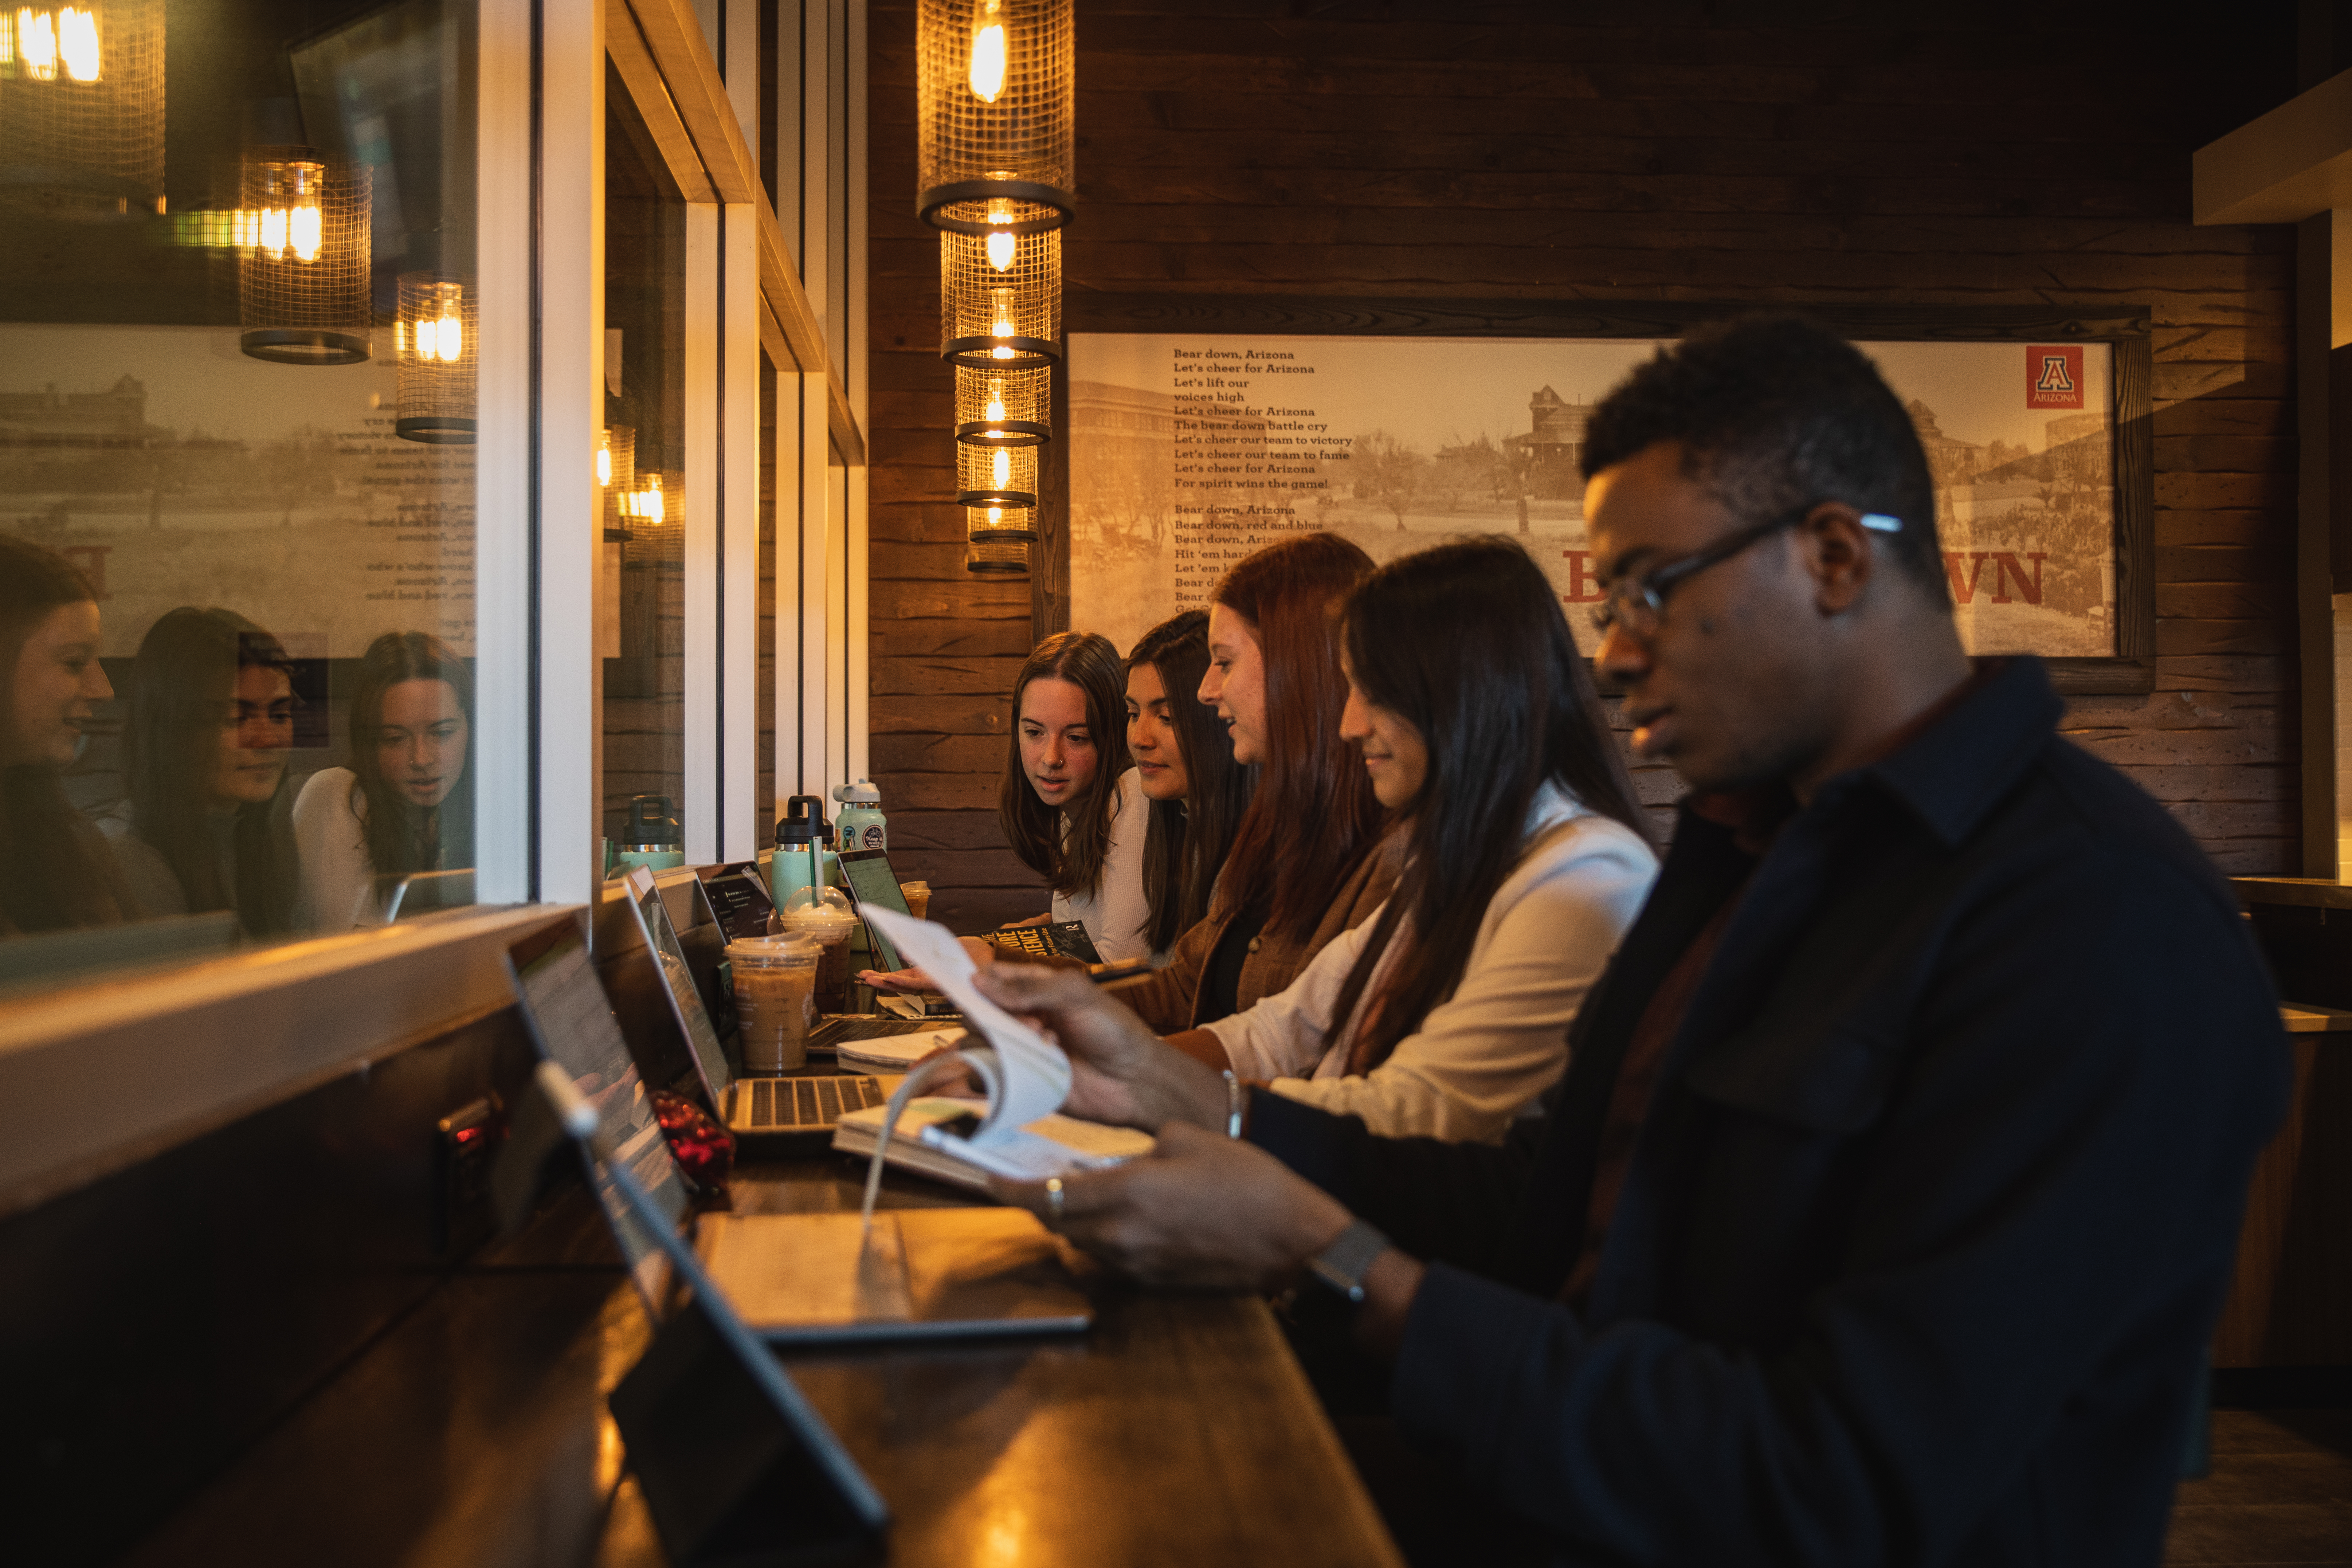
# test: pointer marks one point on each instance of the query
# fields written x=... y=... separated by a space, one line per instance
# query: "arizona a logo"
x=2054 y=377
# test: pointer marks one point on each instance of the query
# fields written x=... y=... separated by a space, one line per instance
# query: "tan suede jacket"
x=1168 y=999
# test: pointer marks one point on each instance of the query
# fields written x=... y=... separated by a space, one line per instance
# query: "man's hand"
x=1201 y=1209
x=1120 y=1071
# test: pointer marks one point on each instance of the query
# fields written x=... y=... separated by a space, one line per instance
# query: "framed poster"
x=174 y=471
x=1189 y=446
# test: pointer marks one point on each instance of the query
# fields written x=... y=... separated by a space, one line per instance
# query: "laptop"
x=795 y=1279
x=739 y=898
x=750 y=1106
x=867 y=878
x=724 y=1445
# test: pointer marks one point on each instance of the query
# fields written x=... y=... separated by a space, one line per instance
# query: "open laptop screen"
x=677 y=981
x=871 y=881
x=565 y=1010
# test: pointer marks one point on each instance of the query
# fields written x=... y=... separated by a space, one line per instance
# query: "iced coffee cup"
x=919 y=898
x=826 y=920
x=775 y=999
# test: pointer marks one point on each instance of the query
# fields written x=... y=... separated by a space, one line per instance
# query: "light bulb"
x=273 y=229
x=988 y=59
x=304 y=232
x=1000 y=299
x=1000 y=250
x=449 y=339
x=996 y=403
x=1000 y=470
x=995 y=516
x=604 y=464
x=36 y=45
x=78 y=43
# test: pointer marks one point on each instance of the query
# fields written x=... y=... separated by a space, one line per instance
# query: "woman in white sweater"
x=1446 y=1013
x=1072 y=810
x=407 y=802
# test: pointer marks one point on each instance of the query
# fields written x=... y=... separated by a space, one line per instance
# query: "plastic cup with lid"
x=824 y=916
x=776 y=998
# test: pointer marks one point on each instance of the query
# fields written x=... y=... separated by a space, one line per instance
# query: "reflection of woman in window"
x=59 y=873
x=212 y=719
x=405 y=805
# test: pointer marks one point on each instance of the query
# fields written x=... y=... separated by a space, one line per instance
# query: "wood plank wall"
x=1386 y=151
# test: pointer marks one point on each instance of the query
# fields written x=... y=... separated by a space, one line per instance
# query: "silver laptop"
x=795 y=1279
x=756 y=1106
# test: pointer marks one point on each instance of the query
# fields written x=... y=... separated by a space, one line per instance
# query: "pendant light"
x=995 y=105
x=81 y=108
x=996 y=476
x=1002 y=407
x=995 y=110
x=1007 y=316
x=433 y=340
x=302 y=263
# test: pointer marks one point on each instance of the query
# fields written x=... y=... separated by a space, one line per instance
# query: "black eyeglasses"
x=1637 y=602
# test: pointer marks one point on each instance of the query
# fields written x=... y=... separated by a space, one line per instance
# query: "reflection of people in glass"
x=58 y=872
x=405 y=805
x=211 y=720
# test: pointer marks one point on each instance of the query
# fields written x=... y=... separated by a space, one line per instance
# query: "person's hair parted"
x=1071 y=861
x=1186 y=844
x=1314 y=816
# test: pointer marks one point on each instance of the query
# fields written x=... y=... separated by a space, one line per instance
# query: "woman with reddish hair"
x=1309 y=860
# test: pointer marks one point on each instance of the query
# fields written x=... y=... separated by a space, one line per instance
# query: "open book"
x=1016 y=1131
x=927 y=1142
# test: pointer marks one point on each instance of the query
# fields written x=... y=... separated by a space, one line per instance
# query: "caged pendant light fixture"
x=995 y=112
x=1000 y=407
x=433 y=340
x=1008 y=316
x=81 y=108
x=993 y=101
x=302 y=258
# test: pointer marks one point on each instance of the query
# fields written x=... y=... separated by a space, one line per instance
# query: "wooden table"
x=1180 y=1430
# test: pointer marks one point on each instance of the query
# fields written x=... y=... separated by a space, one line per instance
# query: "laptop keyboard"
x=786 y=1102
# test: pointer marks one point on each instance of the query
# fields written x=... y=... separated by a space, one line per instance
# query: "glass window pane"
x=641 y=619
x=237 y=470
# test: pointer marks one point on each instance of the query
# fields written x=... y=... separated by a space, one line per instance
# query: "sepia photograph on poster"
x=174 y=471
x=1188 y=451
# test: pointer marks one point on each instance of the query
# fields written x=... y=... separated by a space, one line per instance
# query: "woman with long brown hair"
x=206 y=825
x=1308 y=860
x=1198 y=792
x=1528 y=857
x=407 y=802
x=59 y=872
x=1070 y=807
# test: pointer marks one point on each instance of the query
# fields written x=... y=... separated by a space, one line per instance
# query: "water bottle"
x=859 y=823
x=799 y=861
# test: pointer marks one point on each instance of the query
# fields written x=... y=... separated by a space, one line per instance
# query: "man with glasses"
x=1890 y=1197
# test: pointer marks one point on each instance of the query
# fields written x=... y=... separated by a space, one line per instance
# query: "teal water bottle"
x=859 y=824
x=799 y=858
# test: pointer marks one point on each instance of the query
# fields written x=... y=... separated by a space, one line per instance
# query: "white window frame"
x=743 y=294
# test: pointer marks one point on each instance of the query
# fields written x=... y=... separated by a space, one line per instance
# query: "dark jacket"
x=1935 y=1202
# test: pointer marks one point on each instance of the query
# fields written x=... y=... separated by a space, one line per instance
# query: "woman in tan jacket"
x=1310 y=859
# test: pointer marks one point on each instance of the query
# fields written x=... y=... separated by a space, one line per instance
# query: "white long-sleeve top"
x=1500 y=1040
x=331 y=833
x=1116 y=909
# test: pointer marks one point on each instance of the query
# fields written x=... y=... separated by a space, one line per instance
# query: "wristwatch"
x=1343 y=1265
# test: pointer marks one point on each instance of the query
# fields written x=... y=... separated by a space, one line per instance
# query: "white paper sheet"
x=1032 y=1075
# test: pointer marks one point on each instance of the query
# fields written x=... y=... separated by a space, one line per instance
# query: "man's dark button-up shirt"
x=1935 y=1202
